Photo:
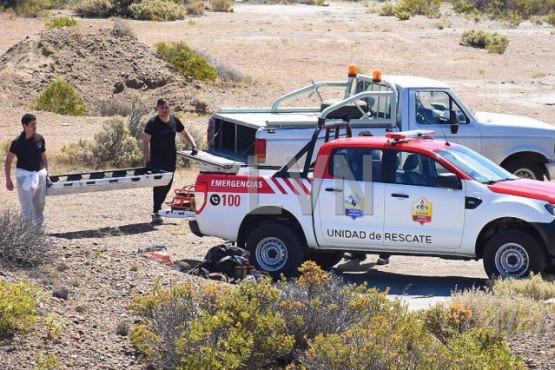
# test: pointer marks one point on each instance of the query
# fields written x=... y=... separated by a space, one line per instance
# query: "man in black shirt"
x=31 y=170
x=159 y=149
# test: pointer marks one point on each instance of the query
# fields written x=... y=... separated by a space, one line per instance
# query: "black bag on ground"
x=224 y=258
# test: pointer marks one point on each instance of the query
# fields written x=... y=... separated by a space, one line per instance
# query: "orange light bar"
x=377 y=75
x=352 y=70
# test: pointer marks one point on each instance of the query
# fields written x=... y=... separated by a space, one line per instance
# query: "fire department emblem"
x=422 y=211
x=354 y=206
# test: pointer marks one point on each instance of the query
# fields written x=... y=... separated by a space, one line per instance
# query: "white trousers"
x=31 y=190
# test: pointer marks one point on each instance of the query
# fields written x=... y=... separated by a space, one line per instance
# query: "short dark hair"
x=28 y=118
x=162 y=101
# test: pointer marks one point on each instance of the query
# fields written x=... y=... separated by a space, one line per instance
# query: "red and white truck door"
x=349 y=211
x=418 y=215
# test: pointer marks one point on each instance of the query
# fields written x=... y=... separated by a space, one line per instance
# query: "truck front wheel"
x=276 y=248
x=525 y=169
x=513 y=253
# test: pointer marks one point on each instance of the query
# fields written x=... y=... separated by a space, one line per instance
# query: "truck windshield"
x=474 y=165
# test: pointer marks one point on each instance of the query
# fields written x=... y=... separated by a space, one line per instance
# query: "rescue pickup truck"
x=404 y=193
x=268 y=137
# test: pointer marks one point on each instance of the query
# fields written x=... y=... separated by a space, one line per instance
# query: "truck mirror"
x=453 y=120
x=450 y=181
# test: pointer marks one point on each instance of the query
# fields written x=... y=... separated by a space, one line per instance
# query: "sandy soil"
x=280 y=47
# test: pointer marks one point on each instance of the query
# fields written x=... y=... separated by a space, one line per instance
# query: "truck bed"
x=104 y=180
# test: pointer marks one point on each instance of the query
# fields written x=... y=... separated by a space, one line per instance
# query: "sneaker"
x=156 y=219
x=383 y=261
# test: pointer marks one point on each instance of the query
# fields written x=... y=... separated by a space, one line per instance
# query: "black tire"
x=325 y=260
x=525 y=169
x=513 y=253
x=277 y=249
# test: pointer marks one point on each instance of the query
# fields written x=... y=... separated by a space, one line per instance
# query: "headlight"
x=550 y=208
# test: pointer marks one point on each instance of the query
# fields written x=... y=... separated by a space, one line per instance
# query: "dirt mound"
x=101 y=65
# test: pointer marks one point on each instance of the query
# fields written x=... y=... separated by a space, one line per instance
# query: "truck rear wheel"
x=525 y=169
x=325 y=260
x=513 y=253
x=276 y=248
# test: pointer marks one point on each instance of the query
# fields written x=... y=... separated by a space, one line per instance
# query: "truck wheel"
x=325 y=260
x=513 y=253
x=525 y=169
x=276 y=248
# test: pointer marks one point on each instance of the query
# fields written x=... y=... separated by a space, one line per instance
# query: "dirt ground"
x=97 y=236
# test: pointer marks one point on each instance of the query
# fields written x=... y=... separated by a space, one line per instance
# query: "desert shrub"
x=447 y=323
x=479 y=348
x=22 y=244
x=5 y=146
x=47 y=362
x=94 y=8
x=429 y=8
x=115 y=147
x=513 y=11
x=534 y=287
x=225 y=6
x=77 y=154
x=122 y=29
x=550 y=18
x=60 y=97
x=59 y=22
x=387 y=9
x=157 y=10
x=136 y=124
x=492 y=42
x=196 y=8
x=27 y=8
x=402 y=15
x=18 y=307
x=226 y=72
x=112 y=107
x=187 y=62
x=511 y=314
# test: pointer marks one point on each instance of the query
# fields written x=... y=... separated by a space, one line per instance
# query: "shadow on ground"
x=105 y=232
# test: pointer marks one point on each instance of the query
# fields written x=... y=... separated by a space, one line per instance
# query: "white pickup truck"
x=269 y=136
x=404 y=193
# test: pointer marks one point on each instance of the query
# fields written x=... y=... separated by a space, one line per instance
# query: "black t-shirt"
x=29 y=151
x=163 y=154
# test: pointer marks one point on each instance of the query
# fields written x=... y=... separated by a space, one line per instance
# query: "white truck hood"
x=512 y=122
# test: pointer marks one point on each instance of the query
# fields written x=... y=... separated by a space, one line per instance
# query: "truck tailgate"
x=107 y=180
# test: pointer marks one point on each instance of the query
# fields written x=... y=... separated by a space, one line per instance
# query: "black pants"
x=159 y=194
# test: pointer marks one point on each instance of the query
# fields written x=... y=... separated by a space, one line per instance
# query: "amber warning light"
x=377 y=75
x=352 y=70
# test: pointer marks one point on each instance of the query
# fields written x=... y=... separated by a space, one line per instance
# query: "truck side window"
x=415 y=169
x=435 y=107
x=360 y=164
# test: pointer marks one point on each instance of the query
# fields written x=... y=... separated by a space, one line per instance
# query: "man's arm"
x=146 y=148
x=189 y=138
x=7 y=169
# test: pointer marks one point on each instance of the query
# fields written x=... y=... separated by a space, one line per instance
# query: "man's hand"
x=9 y=184
x=194 y=151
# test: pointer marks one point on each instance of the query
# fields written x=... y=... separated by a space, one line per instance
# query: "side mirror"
x=449 y=181
x=454 y=122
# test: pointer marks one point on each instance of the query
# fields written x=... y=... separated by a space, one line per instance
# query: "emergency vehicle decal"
x=238 y=184
x=354 y=205
x=422 y=211
x=285 y=185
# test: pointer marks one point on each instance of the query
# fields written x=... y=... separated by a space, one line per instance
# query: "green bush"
x=18 y=307
x=22 y=244
x=115 y=147
x=187 y=62
x=387 y=9
x=402 y=15
x=50 y=361
x=492 y=42
x=157 y=10
x=314 y=322
x=513 y=11
x=534 y=287
x=195 y=8
x=94 y=8
x=60 y=97
x=550 y=18
x=429 y=8
x=27 y=8
x=59 y=22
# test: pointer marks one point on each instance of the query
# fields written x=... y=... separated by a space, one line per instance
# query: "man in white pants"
x=31 y=170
